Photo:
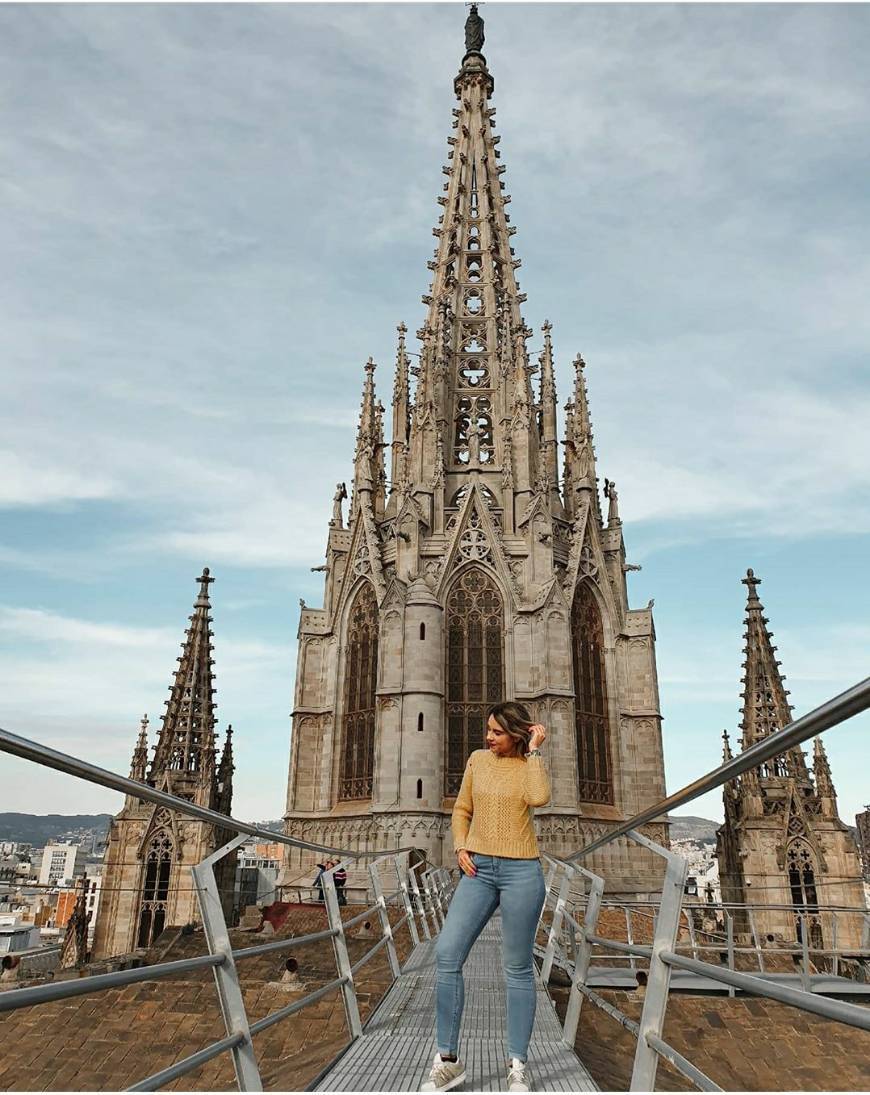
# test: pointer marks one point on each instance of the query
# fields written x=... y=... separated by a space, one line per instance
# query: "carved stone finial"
x=473 y=31
x=205 y=581
x=752 y=583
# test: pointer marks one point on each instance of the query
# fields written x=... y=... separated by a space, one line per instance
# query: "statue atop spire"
x=473 y=32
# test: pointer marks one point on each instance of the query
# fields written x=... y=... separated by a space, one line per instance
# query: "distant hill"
x=272 y=826
x=41 y=829
x=686 y=827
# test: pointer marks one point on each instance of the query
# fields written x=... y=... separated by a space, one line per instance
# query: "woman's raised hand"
x=466 y=863
x=539 y=736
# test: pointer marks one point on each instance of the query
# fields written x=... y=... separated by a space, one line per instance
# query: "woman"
x=498 y=854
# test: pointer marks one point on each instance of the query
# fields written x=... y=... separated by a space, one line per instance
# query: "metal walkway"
x=397 y=1046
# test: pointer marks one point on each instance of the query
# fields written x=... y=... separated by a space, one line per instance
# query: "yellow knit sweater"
x=492 y=813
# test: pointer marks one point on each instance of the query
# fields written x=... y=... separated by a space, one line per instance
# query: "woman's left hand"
x=539 y=736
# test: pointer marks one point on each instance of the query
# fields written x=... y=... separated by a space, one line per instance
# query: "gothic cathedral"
x=474 y=573
x=783 y=843
x=147 y=884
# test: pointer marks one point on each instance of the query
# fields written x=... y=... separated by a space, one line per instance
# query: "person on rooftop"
x=498 y=855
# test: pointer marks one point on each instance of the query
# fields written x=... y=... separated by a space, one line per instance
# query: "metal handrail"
x=851 y=702
x=174 y=1071
x=282 y=944
x=853 y=1014
x=63 y=762
x=429 y=892
x=297 y=1005
x=82 y=986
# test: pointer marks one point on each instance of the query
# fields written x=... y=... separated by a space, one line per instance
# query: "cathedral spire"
x=580 y=480
x=549 y=437
x=765 y=707
x=368 y=458
x=401 y=424
x=474 y=372
x=186 y=740
x=824 y=781
x=225 y=774
x=139 y=763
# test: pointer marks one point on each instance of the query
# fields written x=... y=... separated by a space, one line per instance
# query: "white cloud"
x=34 y=482
x=203 y=259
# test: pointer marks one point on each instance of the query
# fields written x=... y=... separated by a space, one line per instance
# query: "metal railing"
x=426 y=898
x=662 y=956
x=422 y=895
x=724 y=940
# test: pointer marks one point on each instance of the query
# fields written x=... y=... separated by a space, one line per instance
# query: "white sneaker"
x=517 y=1080
x=445 y=1075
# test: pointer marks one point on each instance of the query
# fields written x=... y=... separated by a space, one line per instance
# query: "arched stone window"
x=473 y=441
x=488 y=497
x=591 y=722
x=155 y=892
x=475 y=666
x=801 y=866
x=360 y=681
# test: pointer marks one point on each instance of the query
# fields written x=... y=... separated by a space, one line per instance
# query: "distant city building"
x=60 y=864
x=147 y=885
x=257 y=873
x=15 y=847
x=702 y=880
x=17 y=934
x=862 y=823
x=66 y=902
x=783 y=842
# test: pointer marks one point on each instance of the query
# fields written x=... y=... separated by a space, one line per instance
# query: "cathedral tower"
x=147 y=884
x=475 y=573
x=783 y=842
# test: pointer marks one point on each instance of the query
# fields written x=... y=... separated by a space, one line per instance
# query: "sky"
x=213 y=215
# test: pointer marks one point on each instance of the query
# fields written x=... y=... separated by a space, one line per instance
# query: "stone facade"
x=783 y=842
x=862 y=826
x=147 y=885
x=474 y=573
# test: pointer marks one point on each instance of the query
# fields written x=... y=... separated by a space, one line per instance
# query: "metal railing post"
x=632 y=961
x=755 y=938
x=652 y=1018
x=729 y=929
x=226 y=976
x=548 y=884
x=430 y=889
x=806 y=984
x=555 y=926
x=386 y=927
x=342 y=958
x=690 y=922
x=581 y=963
x=442 y=883
x=406 y=899
x=417 y=898
x=835 y=957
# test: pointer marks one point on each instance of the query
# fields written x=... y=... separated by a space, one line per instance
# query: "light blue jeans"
x=517 y=885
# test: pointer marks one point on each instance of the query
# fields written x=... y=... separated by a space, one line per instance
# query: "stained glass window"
x=591 y=721
x=360 y=681
x=475 y=667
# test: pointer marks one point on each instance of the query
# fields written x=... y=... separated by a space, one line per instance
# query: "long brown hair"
x=516 y=721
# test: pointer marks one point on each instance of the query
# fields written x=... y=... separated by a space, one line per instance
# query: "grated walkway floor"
x=396 y=1049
